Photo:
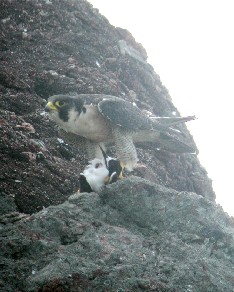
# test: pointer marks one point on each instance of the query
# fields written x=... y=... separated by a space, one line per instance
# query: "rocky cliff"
x=159 y=230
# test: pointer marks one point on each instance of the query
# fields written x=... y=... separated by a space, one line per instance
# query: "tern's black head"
x=113 y=165
x=115 y=170
x=104 y=156
x=63 y=104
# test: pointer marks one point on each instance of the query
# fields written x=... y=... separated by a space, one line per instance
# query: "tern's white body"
x=96 y=174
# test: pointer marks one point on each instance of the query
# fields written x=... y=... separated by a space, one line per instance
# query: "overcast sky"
x=190 y=45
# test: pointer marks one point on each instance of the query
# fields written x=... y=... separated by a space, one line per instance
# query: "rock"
x=126 y=49
x=44 y=68
x=7 y=203
x=134 y=236
x=160 y=234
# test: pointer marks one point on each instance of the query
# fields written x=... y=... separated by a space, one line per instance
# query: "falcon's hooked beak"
x=50 y=106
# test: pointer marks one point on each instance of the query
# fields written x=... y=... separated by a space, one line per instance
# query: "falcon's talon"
x=141 y=165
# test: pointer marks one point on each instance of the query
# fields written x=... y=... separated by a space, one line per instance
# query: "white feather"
x=96 y=173
x=90 y=124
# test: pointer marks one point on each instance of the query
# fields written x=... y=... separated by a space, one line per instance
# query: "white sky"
x=190 y=43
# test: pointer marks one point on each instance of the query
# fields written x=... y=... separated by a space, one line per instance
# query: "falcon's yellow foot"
x=140 y=166
x=122 y=164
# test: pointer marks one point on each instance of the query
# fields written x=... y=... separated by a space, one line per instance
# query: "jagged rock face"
x=133 y=236
x=51 y=47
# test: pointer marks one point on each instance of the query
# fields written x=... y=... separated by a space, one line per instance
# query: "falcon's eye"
x=60 y=103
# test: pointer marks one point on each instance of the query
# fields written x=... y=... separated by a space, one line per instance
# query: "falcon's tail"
x=163 y=141
x=174 y=145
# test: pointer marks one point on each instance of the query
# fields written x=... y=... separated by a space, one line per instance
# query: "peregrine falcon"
x=103 y=119
x=100 y=172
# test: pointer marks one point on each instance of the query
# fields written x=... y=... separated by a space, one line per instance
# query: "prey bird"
x=103 y=119
x=100 y=172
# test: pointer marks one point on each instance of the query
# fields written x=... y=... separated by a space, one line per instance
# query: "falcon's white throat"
x=89 y=124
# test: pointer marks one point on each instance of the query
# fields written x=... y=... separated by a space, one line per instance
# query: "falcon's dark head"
x=62 y=104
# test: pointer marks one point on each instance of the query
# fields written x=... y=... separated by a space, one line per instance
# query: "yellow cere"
x=51 y=105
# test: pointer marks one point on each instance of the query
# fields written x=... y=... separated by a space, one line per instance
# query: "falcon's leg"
x=93 y=150
x=125 y=148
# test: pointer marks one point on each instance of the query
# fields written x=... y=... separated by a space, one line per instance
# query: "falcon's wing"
x=130 y=117
x=124 y=114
